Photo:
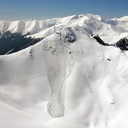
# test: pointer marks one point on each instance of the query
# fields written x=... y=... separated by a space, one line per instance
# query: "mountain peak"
x=43 y=28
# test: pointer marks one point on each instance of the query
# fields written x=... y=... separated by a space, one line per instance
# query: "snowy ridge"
x=67 y=80
x=42 y=28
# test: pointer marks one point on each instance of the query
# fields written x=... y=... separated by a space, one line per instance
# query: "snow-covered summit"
x=90 y=22
x=124 y=18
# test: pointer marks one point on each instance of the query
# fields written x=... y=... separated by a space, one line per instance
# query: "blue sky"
x=44 y=9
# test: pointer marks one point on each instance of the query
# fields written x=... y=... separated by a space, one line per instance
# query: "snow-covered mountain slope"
x=67 y=80
x=91 y=24
x=122 y=20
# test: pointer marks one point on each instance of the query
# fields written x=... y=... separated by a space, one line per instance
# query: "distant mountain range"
x=42 y=28
x=17 y=35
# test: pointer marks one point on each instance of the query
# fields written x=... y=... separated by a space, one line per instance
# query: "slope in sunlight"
x=67 y=75
x=91 y=23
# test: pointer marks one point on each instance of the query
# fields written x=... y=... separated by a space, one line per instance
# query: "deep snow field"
x=68 y=79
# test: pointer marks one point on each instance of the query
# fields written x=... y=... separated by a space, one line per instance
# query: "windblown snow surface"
x=68 y=79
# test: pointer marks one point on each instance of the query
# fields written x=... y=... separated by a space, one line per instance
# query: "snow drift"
x=67 y=75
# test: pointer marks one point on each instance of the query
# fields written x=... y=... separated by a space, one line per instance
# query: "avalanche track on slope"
x=59 y=64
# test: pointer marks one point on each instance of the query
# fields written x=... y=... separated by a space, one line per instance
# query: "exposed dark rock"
x=99 y=40
x=122 y=44
x=108 y=59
